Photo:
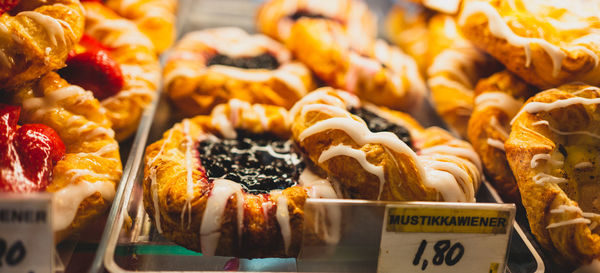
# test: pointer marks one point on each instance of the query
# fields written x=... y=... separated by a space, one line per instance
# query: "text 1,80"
x=445 y=252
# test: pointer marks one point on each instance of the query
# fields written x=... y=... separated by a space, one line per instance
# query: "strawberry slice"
x=31 y=151
x=6 y=5
x=95 y=71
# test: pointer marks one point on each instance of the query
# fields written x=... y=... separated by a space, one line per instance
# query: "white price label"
x=26 y=236
x=445 y=237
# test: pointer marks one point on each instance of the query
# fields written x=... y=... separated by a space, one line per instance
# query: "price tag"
x=26 y=236
x=445 y=237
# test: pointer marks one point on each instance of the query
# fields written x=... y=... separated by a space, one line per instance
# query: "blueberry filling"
x=306 y=14
x=262 y=61
x=379 y=124
x=260 y=163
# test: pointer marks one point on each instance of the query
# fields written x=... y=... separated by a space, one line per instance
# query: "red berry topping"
x=31 y=152
x=95 y=71
x=6 y=5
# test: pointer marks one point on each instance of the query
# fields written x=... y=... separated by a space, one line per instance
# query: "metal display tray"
x=131 y=243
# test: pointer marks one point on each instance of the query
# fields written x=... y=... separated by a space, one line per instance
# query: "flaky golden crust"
x=273 y=18
x=536 y=40
x=196 y=88
x=379 y=165
x=456 y=66
x=37 y=39
x=406 y=26
x=91 y=168
x=552 y=150
x=155 y=18
x=139 y=65
x=489 y=127
x=383 y=74
x=179 y=215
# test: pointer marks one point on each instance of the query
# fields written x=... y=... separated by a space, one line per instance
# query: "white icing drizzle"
x=52 y=26
x=499 y=128
x=48 y=103
x=189 y=172
x=65 y=202
x=543 y=178
x=213 y=213
x=329 y=217
x=556 y=131
x=500 y=100
x=583 y=165
x=221 y=121
x=500 y=29
x=154 y=185
x=548 y=158
x=283 y=218
x=566 y=208
x=129 y=33
x=569 y=222
x=536 y=106
x=496 y=144
x=360 y=156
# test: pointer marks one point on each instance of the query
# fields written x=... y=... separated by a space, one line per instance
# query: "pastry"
x=383 y=74
x=546 y=43
x=231 y=183
x=455 y=68
x=35 y=38
x=407 y=26
x=553 y=151
x=83 y=180
x=497 y=99
x=381 y=154
x=276 y=18
x=211 y=66
x=117 y=63
x=444 y=6
x=155 y=18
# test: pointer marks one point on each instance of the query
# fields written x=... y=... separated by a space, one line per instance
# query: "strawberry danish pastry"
x=35 y=37
x=118 y=64
x=211 y=66
x=546 y=43
x=276 y=18
x=380 y=154
x=232 y=183
x=553 y=151
x=64 y=147
x=383 y=74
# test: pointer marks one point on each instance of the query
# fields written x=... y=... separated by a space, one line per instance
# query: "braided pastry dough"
x=497 y=99
x=383 y=75
x=37 y=39
x=553 y=151
x=136 y=58
x=84 y=181
x=455 y=68
x=216 y=216
x=379 y=166
x=546 y=43
x=196 y=86
x=155 y=18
